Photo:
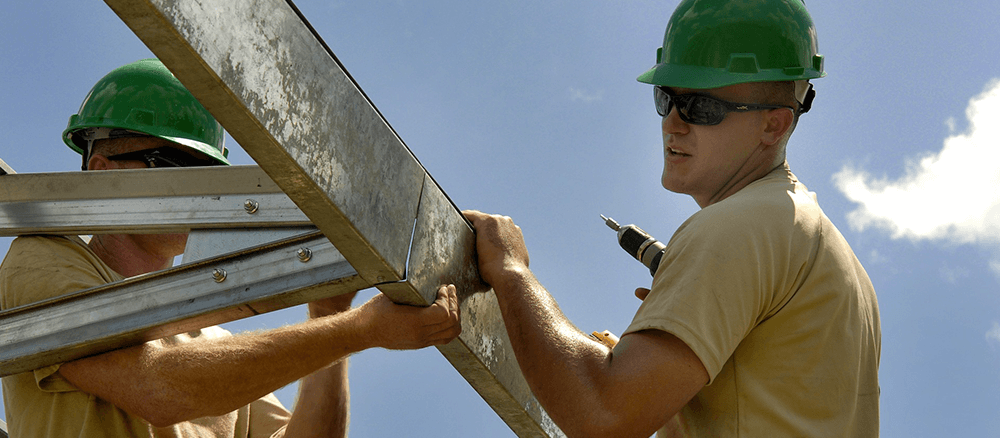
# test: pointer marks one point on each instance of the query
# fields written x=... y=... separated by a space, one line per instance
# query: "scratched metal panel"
x=275 y=87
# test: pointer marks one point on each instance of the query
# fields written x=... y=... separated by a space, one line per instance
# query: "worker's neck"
x=127 y=255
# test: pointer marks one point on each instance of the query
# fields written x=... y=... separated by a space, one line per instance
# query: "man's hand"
x=401 y=327
x=499 y=243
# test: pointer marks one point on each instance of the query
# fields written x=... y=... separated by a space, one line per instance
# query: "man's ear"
x=779 y=121
x=98 y=162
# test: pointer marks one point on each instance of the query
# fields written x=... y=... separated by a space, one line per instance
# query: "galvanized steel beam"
x=143 y=201
x=189 y=297
x=280 y=92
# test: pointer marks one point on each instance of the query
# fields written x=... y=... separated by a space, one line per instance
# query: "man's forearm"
x=323 y=405
x=216 y=376
x=562 y=365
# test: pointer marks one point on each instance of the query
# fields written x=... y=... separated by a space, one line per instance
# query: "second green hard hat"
x=144 y=97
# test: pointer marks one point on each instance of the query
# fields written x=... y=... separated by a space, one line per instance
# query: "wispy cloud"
x=585 y=96
x=952 y=195
x=993 y=335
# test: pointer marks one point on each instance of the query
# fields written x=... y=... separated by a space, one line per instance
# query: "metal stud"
x=219 y=275
x=305 y=254
x=250 y=206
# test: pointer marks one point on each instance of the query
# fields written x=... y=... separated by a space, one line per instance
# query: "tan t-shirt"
x=768 y=294
x=44 y=404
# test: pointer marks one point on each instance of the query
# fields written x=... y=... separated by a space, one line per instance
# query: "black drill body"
x=638 y=244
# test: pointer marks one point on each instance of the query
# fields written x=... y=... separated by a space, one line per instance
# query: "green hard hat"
x=715 y=43
x=144 y=98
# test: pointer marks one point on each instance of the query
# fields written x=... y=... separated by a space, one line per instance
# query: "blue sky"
x=531 y=109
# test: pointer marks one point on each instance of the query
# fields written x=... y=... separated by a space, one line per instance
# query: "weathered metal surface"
x=178 y=300
x=443 y=252
x=482 y=354
x=444 y=246
x=258 y=67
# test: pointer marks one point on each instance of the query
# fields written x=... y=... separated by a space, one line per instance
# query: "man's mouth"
x=677 y=153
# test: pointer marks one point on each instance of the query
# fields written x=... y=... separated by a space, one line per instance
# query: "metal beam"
x=274 y=85
x=262 y=72
x=5 y=169
x=144 y=201
x=185 y=298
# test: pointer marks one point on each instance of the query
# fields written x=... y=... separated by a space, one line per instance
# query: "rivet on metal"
x=305 y=254
x=250 y=206
x=219 y=275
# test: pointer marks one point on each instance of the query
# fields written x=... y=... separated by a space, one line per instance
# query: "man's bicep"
x=658 y=374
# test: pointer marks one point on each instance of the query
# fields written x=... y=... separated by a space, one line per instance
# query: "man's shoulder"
x=41 y=267
x=51 y=241
x=42 y=248
x=777 y=205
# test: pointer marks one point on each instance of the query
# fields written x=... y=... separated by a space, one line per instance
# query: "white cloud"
x=993 y=335
x=952 y=195
x=585 y=96
x=995 y=267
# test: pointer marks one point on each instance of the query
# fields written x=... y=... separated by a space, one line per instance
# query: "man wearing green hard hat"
x=760 y=320
x=205 y=383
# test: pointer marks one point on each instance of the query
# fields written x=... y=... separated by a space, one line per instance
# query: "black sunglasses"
x=164 y=157
x=698 y=109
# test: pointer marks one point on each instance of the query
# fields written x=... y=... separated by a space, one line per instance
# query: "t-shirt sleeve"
x=38 y=268
x=712 y=286
x=267 y=417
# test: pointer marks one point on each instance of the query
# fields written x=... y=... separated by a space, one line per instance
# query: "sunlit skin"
x=711 y=163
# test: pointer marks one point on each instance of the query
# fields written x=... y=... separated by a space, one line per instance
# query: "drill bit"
x=638 y=244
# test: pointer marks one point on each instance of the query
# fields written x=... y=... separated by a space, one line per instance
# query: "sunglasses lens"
x=705 y=111
x=662 y=101
x=164 y=157
x=692 y=108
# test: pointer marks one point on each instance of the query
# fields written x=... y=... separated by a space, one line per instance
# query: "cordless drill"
x=638 y=244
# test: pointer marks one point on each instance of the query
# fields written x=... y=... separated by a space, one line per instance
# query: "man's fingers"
x=641 y=293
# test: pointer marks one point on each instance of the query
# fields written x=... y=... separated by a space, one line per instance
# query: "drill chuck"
x=638 y=244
